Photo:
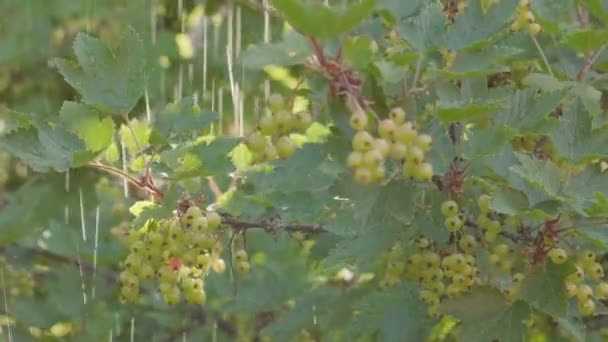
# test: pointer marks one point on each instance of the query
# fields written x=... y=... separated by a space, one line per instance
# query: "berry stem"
x=542 y=54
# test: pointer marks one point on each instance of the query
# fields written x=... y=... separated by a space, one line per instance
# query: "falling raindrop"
x=79 y=262
x=266 y=41
x=148 y=111
x=124 y=168
x=132 y=333
x=82 y=220
x=220 y=99
x=205 y=39
x=153 y=21
x=8 y=325
x=95 y=251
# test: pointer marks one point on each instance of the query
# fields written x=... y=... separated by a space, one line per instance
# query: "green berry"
x=484 y=202
x=449 y=208
x=424 y=142
x=558 y=255
x=386 y=129
x=358 y=121
x=453 y=224
x=267 y=125
x=256 y=142
x=405 y=133
x=285 y=147
x=363 y=141
x=354 y=159
x=276 y=102
x=363 y=176
x=397 y=114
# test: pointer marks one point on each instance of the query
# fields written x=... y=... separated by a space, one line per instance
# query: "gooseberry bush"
x=286 y=170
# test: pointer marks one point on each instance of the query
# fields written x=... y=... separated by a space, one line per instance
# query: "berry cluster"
x=525 y=17
x=439 y=276
x=17 y=281
x=178 y=251
x=241 y=260
x=486 y=220
x=272 y=140
x=398 y=140
x=588 y=271
x=453 y=222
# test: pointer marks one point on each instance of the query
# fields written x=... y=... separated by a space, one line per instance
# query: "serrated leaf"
x=395 y=315
x=302 y=315
x=306 y=16
x=487 y=316
x=292 y=50
x=426 y=30
x=545 y=290
x=364 y=249
x=527 y=112
x=371 y=206
x=544 y=82
x=112 y=81
x=215 y=156
x=509 y=201
x=450 y=112
x=474 y=26
x=586 y=40
x=575 y=139
x=44 y=148
x=357 y=51
x=541 y=174
x=487 y=141
x=181 y=118
x=86 y=122
x=400 y=9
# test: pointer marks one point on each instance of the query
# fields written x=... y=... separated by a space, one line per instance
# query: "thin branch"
x=146 y=183
x=270 y=225
x=542 y=54
x=600 y=222
x=416 y=75
x=589 y=63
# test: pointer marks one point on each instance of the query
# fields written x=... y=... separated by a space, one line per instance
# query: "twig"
x=542 y=54
x=589 y=63
x=146 y=183
x=416 y=75
x=270 y=225
x=584 y=224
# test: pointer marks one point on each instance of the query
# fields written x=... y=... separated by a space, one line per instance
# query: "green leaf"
x=364 y=249
x=509 y=201
x=545 y=82
x=215 y=156
x=487 y=141
x=575 y=139
x=306 y=16
x=357 y=50
x=426 y=30
x=461 y=110
x=292 y=50
x=487 y=316
x=181 y=120
x=541 y=174
x=473 y=26
x=306 y=306
x=544 y=288
x=86 y=122
x=395 y=315
x=400 y=9
x=112 y=81
x=42 y=147
x=586 y=40
x=527 y=112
